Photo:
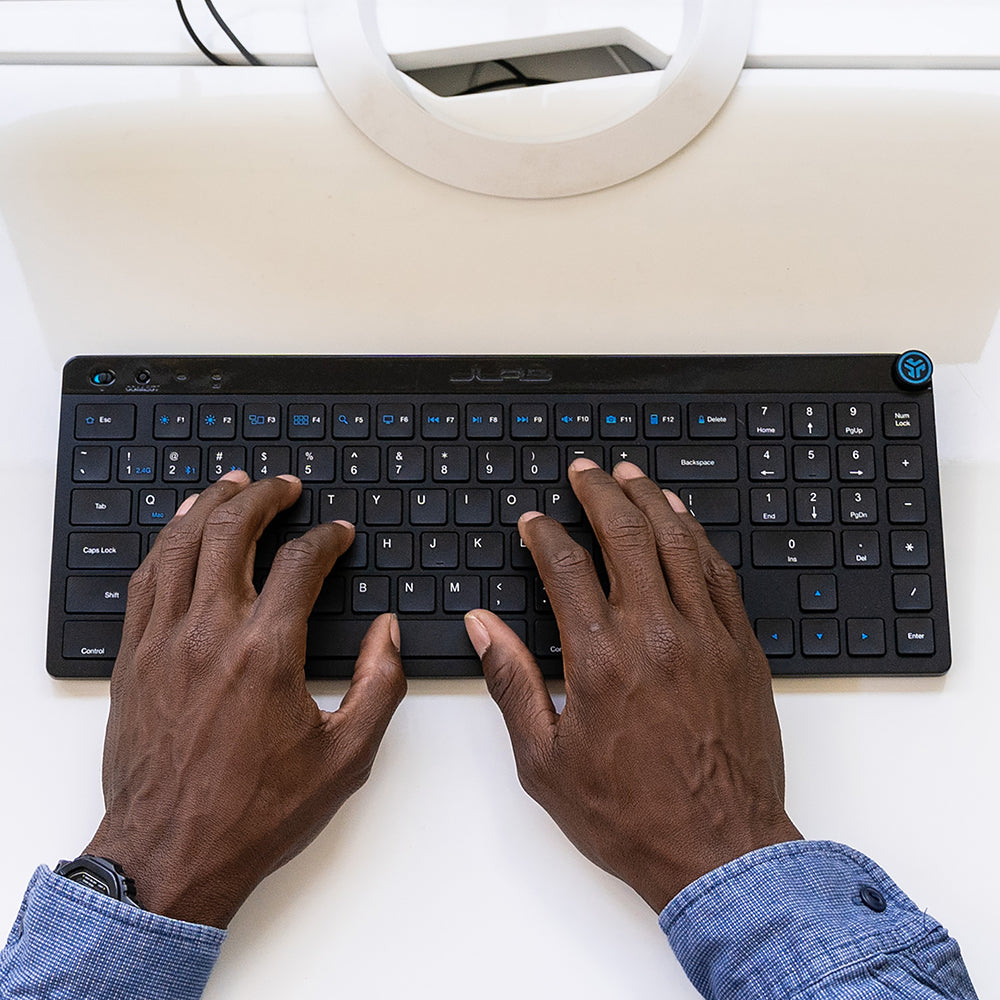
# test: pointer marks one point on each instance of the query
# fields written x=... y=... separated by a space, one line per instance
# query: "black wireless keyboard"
x=815 y=476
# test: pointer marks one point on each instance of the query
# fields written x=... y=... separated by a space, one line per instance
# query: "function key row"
x=491 y=421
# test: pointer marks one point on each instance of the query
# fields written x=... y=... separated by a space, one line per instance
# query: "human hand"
x=218 y=765
x=666 y=760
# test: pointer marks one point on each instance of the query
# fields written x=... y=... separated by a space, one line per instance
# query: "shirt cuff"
x=778 y=920
x=70 y=942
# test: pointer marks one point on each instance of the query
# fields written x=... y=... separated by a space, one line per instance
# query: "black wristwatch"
x=100 y=874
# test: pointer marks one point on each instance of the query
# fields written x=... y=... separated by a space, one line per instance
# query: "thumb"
x=513 y=680
x=376 y=689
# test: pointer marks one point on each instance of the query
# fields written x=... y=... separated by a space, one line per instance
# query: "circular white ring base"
x=695 y=84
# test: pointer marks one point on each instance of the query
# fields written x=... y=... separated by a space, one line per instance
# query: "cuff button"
x=872 y=898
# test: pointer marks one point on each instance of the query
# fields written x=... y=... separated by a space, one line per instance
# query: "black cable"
x=249 y=56
x=517 y=79
x=197 y=41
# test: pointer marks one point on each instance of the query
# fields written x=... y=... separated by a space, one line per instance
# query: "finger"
x=720 y=578
x=300 y=568
x=570 y=580
x=178 y=546
x=624 y=533
x=229 y=540
x=516 y=685
x=676 y=544
x=377 y=688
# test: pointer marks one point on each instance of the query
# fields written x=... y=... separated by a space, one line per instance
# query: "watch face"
x=91 y=881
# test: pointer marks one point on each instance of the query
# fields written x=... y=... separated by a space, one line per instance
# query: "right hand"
x=666 y=761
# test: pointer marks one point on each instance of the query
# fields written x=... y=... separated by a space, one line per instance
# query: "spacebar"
x=341 y=638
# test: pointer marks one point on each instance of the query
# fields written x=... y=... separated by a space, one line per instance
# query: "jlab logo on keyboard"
x=477 y=374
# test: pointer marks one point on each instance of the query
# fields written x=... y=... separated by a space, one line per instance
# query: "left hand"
x=218 y=765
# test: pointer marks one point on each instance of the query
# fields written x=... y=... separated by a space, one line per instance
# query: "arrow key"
x=818 y=592
x=820 y=637
x=776 y=636
x=865 y=637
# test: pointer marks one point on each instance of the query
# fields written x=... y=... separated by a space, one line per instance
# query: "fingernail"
x=236 y=476
x=394 y=632
x=530 y=515
x=346 y=524
x=626 y=471
x=478 y=635
x=675 y=502
x=288 y=478
x=186 y=506
x=579 y=464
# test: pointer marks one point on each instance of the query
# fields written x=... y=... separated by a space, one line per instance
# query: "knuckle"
x=225 y=522
x=570 y=559
x=300 y=553
x=141 y=581
x=629 y=529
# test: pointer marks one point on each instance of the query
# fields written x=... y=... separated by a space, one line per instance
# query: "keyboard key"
x=217 y=421
x=383 y=506
x=394 y=420
x=914 y=636
x=540 y=463
x=462 y=593
x=306 y=421
x=394 y=550
x=617 y=420
x=909 y=548
x=495 y=463
x=792 y=548
x=562 y=505
x=810 y=420
x=103 y=550
x=101 y=507
x=439 y=550
x=858 y=506
x=226 y=459
x=901 y=420
x=529 y=420
x=856 y=464
x=507 y=595
x=484 y=550
x=865 y=637
x=261 y=420
x=338 y=505
x=332 y=596
x=450 y=464
x=370 y=595
x=662 y=420
x=638 y=455
x=514 y=503
x=360 y=465
x=439 y=420
x=776 y=636
x=861 y=548
x=406 y=464
x=911 y=592
x=91 y=464
x=105 y=421
x=766 y=463
x=473 y=507
x=713 y=506
x=99 y=640
x=416 y=595
x=573 y=420
x=820 y=637
x=854 y=420
x=136 y=464
x=356 y=557
x=768 y=506
x=907 y=505
x=765 y=420
x=592 y=452
x=316 y=463
x=96 y=594
x=712 y=420
x=182 y=465
x=904 y=461
x=484 y=420
x=811 y=462
x=814 y=506
x=680 y=463
x=428 y=506
x=157 y=506
x=351 y=420
x=172 y=420
x=728 y=544
x=818 y=592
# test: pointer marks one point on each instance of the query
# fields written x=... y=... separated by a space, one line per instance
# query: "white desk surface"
x=147 y=210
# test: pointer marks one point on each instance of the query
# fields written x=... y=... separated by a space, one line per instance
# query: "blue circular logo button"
x=913 y=370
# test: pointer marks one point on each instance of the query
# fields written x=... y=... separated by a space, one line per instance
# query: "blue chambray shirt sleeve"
x=71 y=943
x=788 y=922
